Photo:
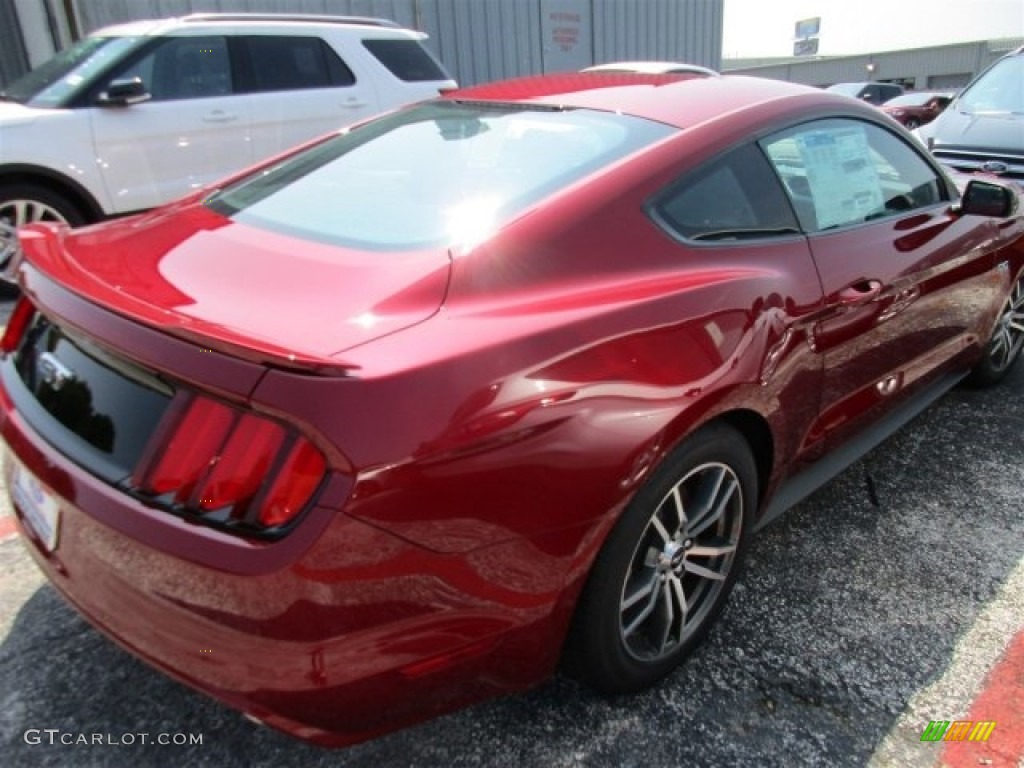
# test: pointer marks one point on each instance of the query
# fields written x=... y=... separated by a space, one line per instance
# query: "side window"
x=184 y=68
x=295 y=63
x=844 y=172
x=735 y=197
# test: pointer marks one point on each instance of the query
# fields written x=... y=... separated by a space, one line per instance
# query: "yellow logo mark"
x=982 y=730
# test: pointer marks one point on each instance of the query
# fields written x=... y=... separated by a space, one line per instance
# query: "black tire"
x=629 y=630
x=1004 y=347
x=21 y=203
x=911 y=123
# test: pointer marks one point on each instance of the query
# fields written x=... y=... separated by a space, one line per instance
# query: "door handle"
x=219 y=116
x=353 y=104
x=860 y=292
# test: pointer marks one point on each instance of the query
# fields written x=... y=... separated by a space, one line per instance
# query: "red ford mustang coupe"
x=500 y=382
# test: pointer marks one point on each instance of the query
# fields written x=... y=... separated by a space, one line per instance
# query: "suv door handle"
x=861 y=292
x=219 y=116
x=353 y=104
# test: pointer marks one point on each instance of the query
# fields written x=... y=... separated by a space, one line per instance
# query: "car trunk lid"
x=258 y=294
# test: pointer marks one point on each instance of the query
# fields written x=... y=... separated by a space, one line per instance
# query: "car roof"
x=204 y=21
x=651 y=67
x=867 y=82
x=680 y=100
x=921 y=94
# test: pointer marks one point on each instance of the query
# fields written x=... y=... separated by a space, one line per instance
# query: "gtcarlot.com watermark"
x=55 y=737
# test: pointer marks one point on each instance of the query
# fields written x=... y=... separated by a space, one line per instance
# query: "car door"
x=731 y=214
x=299 y=89
x=191 y=132
x=907 y=281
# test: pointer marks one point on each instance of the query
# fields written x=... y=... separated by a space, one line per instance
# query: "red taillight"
x=299 y=476
x=212 y=459
x=184 y=445
x=243 y=465
x=20 y=320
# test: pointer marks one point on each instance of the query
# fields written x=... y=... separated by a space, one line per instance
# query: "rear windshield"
x=441 y=173
x=407 y=60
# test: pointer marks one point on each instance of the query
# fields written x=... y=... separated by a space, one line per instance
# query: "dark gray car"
x=983 y=129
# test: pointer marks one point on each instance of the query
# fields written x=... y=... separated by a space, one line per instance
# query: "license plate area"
x=38 y=505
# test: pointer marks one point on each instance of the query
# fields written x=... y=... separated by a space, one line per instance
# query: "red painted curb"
x=7 y=527
x=1001 y=701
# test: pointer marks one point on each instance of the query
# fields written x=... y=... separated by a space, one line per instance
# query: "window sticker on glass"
x=844 y=182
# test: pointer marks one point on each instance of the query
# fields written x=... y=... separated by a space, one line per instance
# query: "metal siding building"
x=477 y=40
x=945 y=67
x=13 y=54
x=662 y=30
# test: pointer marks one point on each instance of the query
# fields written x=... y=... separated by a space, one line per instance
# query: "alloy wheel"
x=681 y=562
x=19 y=212
x=1008 y=338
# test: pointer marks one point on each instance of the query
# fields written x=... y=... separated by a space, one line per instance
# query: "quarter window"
x=736 y=197
x=405 y=59
x=841 y=173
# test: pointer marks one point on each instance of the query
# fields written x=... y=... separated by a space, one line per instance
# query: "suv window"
x=295 y=63
x=184 y=68
x=406 y=59
x=734 y=197
x=844 y=172
x=887 y=91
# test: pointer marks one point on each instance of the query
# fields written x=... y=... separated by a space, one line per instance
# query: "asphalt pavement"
x=891 y=598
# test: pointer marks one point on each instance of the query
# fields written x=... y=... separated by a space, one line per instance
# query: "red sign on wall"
x=565 y=29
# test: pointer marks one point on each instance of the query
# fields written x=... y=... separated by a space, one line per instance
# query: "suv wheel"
x=22 y=204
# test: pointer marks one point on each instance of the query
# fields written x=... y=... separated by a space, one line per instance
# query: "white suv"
x=138 y=114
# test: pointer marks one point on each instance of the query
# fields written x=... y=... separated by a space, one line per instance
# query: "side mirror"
x=124 y=93
x=986 y=198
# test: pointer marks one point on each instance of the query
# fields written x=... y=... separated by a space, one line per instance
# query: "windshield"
x=1000 y=89
x=442 y=173
x=52 y=83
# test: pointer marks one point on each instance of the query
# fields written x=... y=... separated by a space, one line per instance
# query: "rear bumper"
x=336 y=633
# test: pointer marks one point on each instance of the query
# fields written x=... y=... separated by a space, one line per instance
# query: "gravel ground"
x=878 y=604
